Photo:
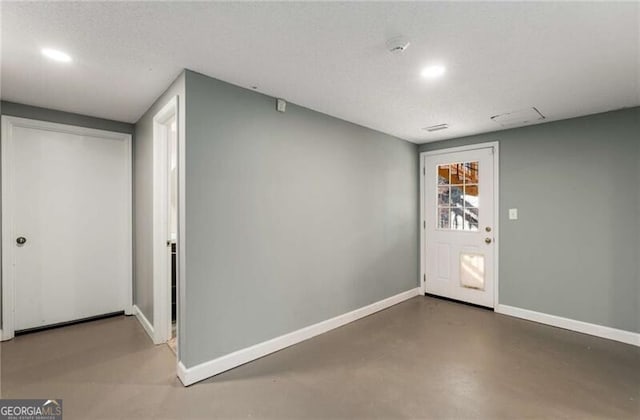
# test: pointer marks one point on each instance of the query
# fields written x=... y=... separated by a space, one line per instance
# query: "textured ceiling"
x=566 y=59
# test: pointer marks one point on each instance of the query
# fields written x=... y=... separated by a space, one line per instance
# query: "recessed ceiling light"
x=432 y=72
x=56 y=55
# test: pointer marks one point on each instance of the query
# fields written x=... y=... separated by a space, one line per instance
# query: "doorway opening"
x=165 y=225
x=173 y=223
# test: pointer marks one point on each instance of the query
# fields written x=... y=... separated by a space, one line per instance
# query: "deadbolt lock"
x=487 y=240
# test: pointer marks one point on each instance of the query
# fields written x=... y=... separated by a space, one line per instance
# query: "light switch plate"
x=513 y=214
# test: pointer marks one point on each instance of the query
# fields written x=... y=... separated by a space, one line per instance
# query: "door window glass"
x=458 y=196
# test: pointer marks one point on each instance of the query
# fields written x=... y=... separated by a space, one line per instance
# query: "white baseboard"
x=623 y=336
x=213 y=367
x=144 y=322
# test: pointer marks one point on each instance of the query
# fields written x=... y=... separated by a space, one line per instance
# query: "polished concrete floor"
x=424 y=358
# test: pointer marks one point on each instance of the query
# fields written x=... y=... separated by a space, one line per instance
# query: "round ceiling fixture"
x=398 y=44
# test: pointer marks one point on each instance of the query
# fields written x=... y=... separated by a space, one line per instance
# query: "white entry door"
x=458 y=222
x=66 y=217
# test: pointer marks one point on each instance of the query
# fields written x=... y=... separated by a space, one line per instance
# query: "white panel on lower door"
x=443 y=261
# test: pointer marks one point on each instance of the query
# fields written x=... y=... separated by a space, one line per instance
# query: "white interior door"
x=66 y=223
x=459 y=226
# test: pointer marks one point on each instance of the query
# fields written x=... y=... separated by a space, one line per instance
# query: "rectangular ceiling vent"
x=521 y=117
x=436 y=127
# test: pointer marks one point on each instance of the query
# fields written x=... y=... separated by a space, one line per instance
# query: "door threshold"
x=172 y=343
x=475 y=305
x=68 y=323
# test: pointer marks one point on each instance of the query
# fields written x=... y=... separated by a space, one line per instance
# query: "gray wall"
x=575 y=249
x=292 y=218
x=143 y=197
x=61 y=117
x=43 y=114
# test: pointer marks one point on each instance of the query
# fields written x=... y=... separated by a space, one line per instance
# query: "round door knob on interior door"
x=21 y=240
x=487 y=240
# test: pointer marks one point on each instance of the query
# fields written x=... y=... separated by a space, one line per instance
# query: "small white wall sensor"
x=513 y=214
x=281 y=105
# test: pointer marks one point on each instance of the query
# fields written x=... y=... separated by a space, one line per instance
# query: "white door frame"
x=496 y=210
x=8 y=203
x=161 y=250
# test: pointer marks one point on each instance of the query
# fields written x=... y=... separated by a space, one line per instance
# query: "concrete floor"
x=424 y=358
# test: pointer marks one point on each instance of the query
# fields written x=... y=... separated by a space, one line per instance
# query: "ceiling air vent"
x=436 y=127
x=521 y=117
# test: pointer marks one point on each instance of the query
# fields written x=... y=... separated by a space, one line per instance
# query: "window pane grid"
x=458 y=196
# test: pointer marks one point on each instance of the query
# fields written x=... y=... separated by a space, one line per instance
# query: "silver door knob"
x=487 y=240
x=21 y=240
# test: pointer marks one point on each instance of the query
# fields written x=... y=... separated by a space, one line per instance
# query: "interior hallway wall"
x=292 y=218
x=575 y=250
x=44 y=114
